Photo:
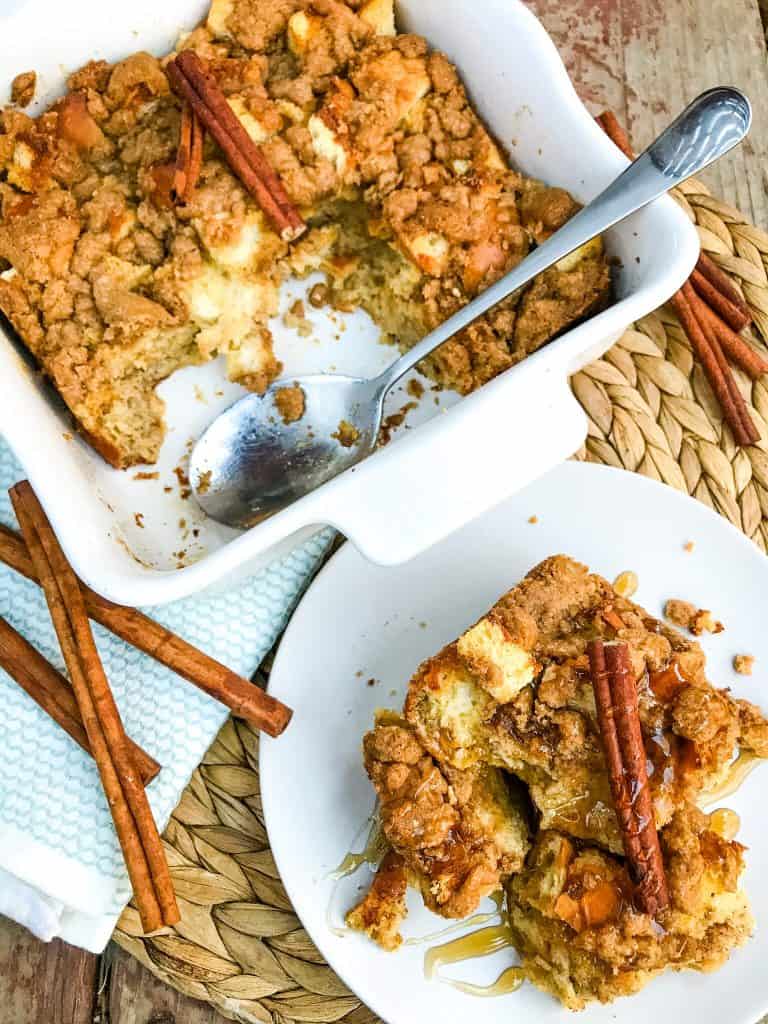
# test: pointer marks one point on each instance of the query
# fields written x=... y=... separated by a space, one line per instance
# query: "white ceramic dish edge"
x=411 y=494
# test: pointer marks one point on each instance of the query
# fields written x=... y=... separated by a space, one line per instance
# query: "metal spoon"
x=250 y=463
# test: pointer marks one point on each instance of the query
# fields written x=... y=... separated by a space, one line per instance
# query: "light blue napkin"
x=56 y=834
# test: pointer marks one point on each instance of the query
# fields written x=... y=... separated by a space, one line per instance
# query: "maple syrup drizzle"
x=743 y=766
x=480 y=943
x=476 y=919
x=725 y=823
x=372 y=853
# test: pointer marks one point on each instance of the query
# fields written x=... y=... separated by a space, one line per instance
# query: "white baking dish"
x=126 y=536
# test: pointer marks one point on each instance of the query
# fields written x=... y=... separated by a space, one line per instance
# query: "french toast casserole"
x=114 y=275
x=511 y=766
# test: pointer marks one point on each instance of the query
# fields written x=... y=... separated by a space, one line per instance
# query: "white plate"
x=360 y=621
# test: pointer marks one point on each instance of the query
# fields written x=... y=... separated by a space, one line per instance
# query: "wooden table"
x=644 y=59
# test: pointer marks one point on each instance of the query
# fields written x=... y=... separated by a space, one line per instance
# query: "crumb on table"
x=744 y=663
x=346 y=434
x=139 y=519
x=204 y=481
x=415 y=388
x=688 y=616
x=23 y=88
x=146 y=476
x=290 y=402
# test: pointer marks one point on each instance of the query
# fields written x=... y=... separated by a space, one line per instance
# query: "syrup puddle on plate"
x=476 y=944
x=467 y=922
x=372 y=853
x=743 y=766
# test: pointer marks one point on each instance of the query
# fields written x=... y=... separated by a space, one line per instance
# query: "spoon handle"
x=706 y=130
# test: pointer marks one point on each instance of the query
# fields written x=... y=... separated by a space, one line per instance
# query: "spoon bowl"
x=250 y=462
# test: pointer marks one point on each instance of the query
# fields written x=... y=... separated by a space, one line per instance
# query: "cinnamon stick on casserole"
x=242 y=697
x=190 y=81
x=189 y=156
x=619 y=721
x=52 y=692
x=135 y=826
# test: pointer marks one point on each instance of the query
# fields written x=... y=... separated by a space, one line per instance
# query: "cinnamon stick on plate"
x=242 y=697
x=192 y=83
x=52 y=692
x=619 y=720
x=131 y=813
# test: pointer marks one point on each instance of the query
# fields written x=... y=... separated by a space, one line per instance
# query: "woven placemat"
x=239 y=945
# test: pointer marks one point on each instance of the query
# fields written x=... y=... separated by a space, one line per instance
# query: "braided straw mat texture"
x=239 y=945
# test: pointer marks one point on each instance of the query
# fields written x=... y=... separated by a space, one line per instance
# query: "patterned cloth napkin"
x=61 y=868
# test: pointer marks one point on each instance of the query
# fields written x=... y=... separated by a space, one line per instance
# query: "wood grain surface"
x=642 y=58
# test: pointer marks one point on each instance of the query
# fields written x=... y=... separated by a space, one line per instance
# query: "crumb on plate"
x=23 y=88
x=688 y=616
x=744 y=663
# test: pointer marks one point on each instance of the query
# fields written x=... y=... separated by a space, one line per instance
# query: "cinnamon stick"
x=703 y=350
x=619 y=722
x=615 y=132
x=189 y=155
x=735 y=411
x=728 y=311
x=190 y=81
x=135 y=826
x=242 y=697
x=51 y=691
x=734 y=346
x=720 y=280
x=710 y=303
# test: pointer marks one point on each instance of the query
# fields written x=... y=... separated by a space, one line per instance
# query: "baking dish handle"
x=426 y=485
